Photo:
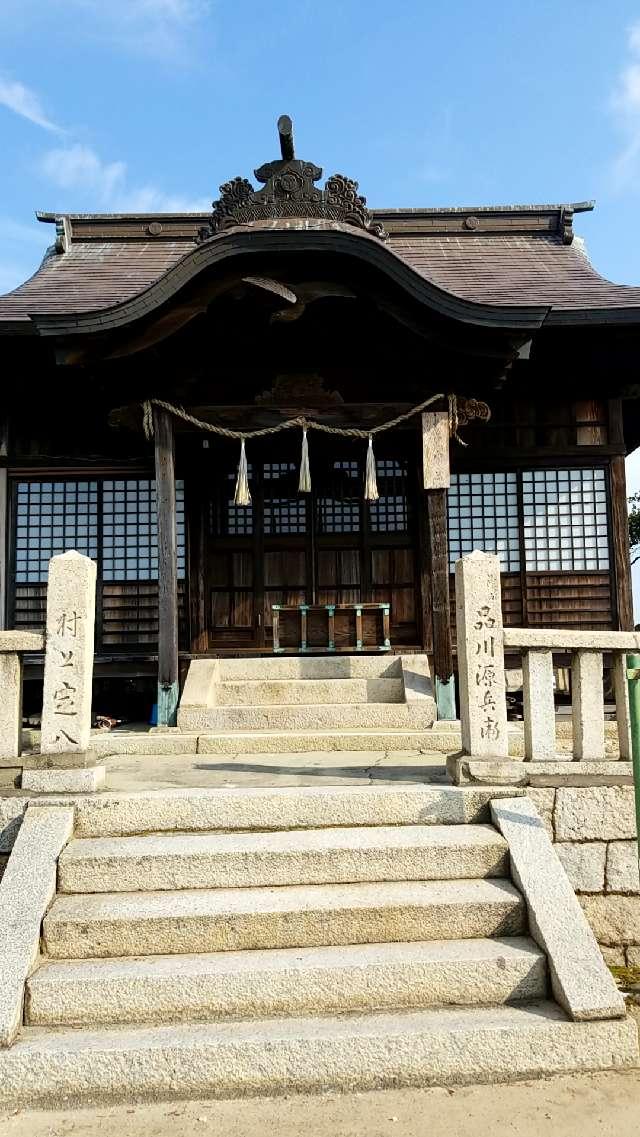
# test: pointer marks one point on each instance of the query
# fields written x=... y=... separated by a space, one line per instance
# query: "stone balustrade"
x=13 y=645
x=537 y=646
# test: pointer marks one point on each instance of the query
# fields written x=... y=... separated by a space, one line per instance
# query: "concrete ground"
x=586 y=1105
x=156 y=772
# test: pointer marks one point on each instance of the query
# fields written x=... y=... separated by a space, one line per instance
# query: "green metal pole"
x=633 y=681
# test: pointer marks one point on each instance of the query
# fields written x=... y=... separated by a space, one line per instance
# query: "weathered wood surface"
x=439 y=548
x=620 y=544
x=167 y=569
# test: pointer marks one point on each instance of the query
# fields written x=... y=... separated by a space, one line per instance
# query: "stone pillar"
x=587 y=705
x=483 y=704
x=10 y=704
x=621 y=695
x=539 y=708
x=65 y=762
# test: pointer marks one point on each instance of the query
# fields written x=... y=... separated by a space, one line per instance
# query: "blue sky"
x=113 y=105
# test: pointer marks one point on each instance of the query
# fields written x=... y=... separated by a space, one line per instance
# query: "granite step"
x=290 y=981
x=237 y=919
x=311 y=667
x=347 y=1052
x=231 y=809
x=303 y=856
x=294 y=692
x=343 y=716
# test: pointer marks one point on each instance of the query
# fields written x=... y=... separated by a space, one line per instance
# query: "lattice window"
x=390 y=514
x=227 y=519
x=565 y=519
x=52 y=517
x=483 y=514
x=338 y=507
x=130 y=532
x=284 y=510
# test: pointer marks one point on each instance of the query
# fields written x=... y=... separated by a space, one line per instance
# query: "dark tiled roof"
x=514 y=255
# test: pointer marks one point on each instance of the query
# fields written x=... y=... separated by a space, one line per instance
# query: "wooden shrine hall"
x=279 y=425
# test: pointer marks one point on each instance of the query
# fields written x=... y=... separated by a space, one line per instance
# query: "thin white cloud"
x=78 y=167
x=24 y=102
x=159 y=28
x=625 y=103
x=80 y=171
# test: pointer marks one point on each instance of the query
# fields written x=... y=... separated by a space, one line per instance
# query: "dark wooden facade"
x=316 y=312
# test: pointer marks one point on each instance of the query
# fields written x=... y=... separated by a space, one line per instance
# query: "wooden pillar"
x=168 y=689
x=440 y=607
x=620 y=545
x=436 y=479
x=4 y=512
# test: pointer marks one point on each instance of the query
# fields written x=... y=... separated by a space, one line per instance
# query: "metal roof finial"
x=285 y=130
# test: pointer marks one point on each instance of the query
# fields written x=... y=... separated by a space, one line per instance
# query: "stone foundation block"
x=594 y=813
x=622 y=867
x=615 y=920
x=69 y=760
x=70 y=781
x=544 y=800
x=469 y=771
x=613 y=957
x=584 y=864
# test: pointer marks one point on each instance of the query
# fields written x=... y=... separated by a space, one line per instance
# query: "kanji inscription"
x=68 y=670
x=483 y=711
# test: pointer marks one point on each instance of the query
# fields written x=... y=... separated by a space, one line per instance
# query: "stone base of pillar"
x=465 y=770
x=66 y=760
x=77 y=780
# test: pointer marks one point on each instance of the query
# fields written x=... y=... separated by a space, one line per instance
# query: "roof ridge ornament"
x=290 y=191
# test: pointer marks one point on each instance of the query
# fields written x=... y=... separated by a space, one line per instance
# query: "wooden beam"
x=168 y=689
x=440 y=615
x=620 y=545
x=4 y=512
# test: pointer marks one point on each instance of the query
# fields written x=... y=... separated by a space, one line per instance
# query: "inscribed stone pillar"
x=483 y=705
x=68 y=667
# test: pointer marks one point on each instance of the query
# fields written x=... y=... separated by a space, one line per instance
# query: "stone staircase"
x=302 y=703
x=239 y=942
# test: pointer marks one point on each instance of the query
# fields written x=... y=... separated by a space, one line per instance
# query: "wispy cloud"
x=159 y=28
x=80 y=170
x=23 y=101
x=625 y=104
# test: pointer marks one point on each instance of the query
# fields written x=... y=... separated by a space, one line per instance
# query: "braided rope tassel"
x=370 y=480
x=453 y=420
x=242 y=495
x=304 y=484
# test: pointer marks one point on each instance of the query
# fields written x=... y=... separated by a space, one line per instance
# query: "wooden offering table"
x=331 y=627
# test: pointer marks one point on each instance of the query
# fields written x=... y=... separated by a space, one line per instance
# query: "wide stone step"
x=377 y=740
x=294 y=807
x=337 y=716
x=427 y=1047
x=192 y=988
x=311 y=667
x=169 y=923
x=311 y=856
x=261 y=692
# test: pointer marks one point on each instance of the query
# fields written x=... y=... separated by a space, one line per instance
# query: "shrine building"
x=277 y=426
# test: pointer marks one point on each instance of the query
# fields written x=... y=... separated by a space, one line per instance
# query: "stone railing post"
x=587 y=705
x=65 y=762
x=539 y=707
x=483 y=704
x=12 y=646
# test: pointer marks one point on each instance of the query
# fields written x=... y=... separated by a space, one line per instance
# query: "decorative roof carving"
x=290 y=191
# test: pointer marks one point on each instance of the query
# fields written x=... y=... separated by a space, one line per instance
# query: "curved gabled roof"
x=504 y=266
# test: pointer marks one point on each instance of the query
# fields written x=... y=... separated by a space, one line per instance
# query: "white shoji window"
x=52 y=517
x=565 y=519
x=483 y=514
x=130 y=533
